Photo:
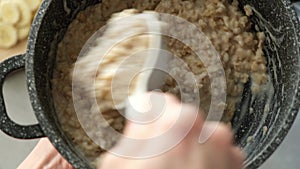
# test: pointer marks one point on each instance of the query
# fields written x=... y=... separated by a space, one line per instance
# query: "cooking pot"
x=259 y=133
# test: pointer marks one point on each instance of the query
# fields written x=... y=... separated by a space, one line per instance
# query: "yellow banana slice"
x=23 y=32
x=8 y=35
x=26 y=15
x=33 y=4
x=9 y=12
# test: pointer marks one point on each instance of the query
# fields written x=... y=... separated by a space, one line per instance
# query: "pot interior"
x=259 y=133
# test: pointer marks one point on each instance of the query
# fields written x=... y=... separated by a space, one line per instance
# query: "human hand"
x=44 y=155
x=218 y=152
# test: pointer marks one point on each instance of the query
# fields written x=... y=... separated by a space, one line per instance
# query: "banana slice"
x=8 y=35
x=26 y=15
x=9 y=12
x=33 y=4
x=23 y=32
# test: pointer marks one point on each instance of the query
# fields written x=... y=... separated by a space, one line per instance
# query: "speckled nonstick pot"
x=277 y=18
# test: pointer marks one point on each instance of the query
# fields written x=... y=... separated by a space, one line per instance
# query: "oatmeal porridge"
x=226 y=26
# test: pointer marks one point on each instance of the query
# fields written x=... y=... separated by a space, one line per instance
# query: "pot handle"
x=6 y=124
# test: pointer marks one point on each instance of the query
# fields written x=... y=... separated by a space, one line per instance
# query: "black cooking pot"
x=276 y=18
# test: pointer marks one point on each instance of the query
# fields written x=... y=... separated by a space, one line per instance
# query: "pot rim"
x=277 y=139
x=54 y=135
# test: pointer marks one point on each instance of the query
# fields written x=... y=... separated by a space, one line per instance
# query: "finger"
x=220 y=135
x=174 y=125
x=214 y=158
x=54 y=158
x=162 y=114
x=185 y=118
x=237 y=158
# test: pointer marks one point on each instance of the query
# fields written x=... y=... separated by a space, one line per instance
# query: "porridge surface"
x=222 y=22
